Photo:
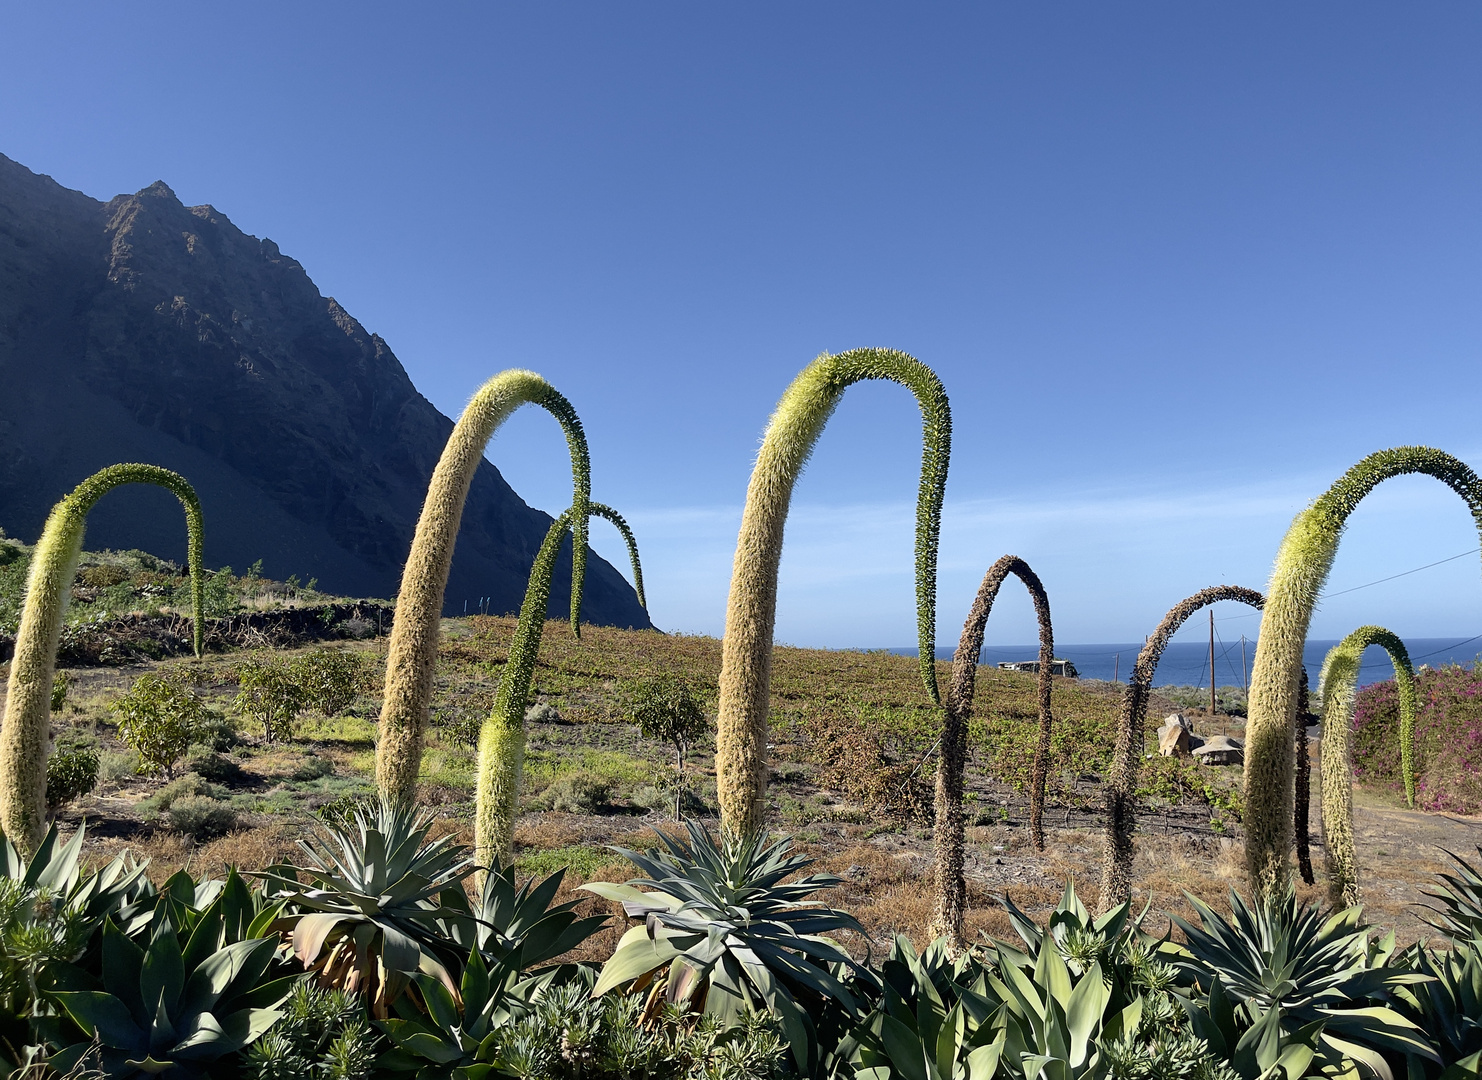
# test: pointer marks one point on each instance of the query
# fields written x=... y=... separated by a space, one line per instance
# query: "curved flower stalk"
x=412 y=653
x=602 y=510
x=1121 y=787
x=502 y=740
x=26 y=733
x=1336 y=687
x=1302 y=565
x=950 y=886
x=746 y=652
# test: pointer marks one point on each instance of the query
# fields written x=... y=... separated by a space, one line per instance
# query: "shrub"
x=323 y=1033
x=158 y=719
x=70 y=774
x=216 y=733
x=61 y=682
x=201 y=817
x=1448 y=738
x=667 y=709
x=579 y=792
x=329 y=679
x=114 y=766
x=314 y=768
x=188 y=786
x=209 y=765
x=269 y=693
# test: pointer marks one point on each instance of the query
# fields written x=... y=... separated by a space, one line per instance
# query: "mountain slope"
x=145 y=330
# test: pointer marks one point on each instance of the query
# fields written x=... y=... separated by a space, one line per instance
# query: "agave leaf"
x=1083 y=1013
x=105 y=1016
x=122 y=963
x=636 y=954
x=162 y=975
x=311 y=933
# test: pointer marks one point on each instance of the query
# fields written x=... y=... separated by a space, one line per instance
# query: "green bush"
x=216 y=733
x=158 y=719
x=329 y=679
x=269 y=693
x=209 y=765
x=201 y=817
x=314 y=768
x=323 y=1034
x=70 y=774
x=187 y=787
x=579 y=792
x=61 y=682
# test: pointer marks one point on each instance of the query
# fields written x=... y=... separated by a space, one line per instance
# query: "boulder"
x=1173 y=740
x=1221 y=750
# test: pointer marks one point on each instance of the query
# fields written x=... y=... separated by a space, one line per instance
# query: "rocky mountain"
x=142 y=329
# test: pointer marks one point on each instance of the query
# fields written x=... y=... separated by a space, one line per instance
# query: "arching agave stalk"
x=1121 y=786
x=951 y=888
x=602 y=510
x=26 y=733
x=1302 y=565
x=502 y=739
x=746 y=652
x=412 y=655
x=1336 y=687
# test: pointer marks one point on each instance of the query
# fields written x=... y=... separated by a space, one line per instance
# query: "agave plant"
x=1313 y=972
x=1461 y=901
x=734 y=935
x=933 y=1020
x=746 y=652
x=506 y=920
x=1336 y=687
x=950 y=886
x=26 y=733
x=372 y=916
x=171 y=1009
x=1121 y=786
x=412 y=653
x=1449 y=1006
x=1302 y=566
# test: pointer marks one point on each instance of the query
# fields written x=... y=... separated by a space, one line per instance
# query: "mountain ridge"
x=143 y=329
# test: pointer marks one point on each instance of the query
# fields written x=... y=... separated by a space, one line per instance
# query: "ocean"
x=1186 y=663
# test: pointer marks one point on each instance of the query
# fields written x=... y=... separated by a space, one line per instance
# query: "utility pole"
x=1117 y=668
x=1211 y=661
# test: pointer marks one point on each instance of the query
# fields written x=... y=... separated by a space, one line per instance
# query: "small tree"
x=666 y=708
x=329 y=679
x=270 y=694
x=158 y=719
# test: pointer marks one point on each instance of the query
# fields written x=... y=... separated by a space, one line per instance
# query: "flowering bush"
x=1448 y=738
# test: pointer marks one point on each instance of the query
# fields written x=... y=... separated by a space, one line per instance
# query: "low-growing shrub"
x=201 y=817
x=209 y=765
x=114 y=765
x=70 y=774
x=158 y=719
x=189 y=786
x=216 y=733
x=61 y=682
x=1448 y=738
x=314 y=768
x=579 y=792
x=541 y=713
x=323 y=1034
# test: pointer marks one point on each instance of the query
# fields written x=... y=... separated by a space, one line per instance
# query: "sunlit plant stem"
x=26 y=735
x=502 y=738
x=1121 y=786
x=746 y=653
x=412 y=654
x=1302 y=566
x=951 y=887
x=1336 y=688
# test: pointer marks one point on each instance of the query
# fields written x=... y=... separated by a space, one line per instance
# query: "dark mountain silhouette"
x=144 y=330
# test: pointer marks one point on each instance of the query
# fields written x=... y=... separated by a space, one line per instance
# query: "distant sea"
x=1187 y=663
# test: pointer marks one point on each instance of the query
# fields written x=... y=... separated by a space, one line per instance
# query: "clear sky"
x=1177 y=264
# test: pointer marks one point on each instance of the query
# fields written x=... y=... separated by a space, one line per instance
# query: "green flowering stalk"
x=26 y=733
x=602 y=510
x=412 y=653
x=502 y=739
x=951 y=887
x=1121 y=786
x=1302 y=566
x=746 y=652
x=1336 y=687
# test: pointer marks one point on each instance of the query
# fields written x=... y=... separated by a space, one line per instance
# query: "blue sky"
x=1178 y=264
